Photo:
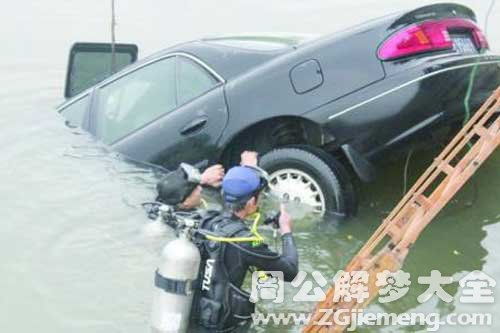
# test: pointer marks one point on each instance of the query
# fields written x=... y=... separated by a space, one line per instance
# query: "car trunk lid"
x=90 y=63
x=437 y=11
x=443 y=27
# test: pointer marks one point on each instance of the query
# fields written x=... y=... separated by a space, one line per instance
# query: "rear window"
x=260 y=43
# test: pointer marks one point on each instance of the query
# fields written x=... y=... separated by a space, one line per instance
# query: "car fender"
x=363 y=168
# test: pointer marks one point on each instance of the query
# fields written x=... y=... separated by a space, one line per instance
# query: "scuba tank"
x=174 y=281
x=192 y=269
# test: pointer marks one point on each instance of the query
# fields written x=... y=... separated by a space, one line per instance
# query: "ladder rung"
x=483 y=132
x=446 y=168
x=422 y=200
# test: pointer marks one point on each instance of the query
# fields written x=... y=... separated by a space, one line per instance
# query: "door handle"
x=194 y=126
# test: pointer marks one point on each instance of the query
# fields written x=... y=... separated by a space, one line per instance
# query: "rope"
x=468 y=94
x=405 y=172
x=486 y=20
x=472 y=75
x=113 y=37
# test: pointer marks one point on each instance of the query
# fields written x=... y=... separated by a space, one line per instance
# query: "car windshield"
x=261 y=43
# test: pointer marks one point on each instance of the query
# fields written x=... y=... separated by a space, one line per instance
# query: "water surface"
x=73 y=254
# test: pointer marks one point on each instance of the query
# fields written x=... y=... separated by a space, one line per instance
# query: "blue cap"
x=240 y=183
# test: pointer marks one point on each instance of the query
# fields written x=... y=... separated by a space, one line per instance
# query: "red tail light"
x=429 y=36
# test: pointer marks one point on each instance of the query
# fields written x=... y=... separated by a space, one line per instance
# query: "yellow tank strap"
x=255 y=239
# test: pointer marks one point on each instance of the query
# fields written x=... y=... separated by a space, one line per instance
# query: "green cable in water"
x=469 y=93
x=466 y=99
x=474 y=70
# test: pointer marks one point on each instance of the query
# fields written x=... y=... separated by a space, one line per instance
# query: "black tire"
x=346 y=179
x=324 y=169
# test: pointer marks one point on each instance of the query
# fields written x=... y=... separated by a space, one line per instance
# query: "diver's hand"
x=212 y=176
x=285 y=221
x=249 y=158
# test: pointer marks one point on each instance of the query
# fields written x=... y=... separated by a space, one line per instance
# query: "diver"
x=198 y=282
x=231 y=249
x=179 y=192
x=181 y=189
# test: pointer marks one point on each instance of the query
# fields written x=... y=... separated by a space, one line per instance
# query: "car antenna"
x=113 y=37
x=487 y=17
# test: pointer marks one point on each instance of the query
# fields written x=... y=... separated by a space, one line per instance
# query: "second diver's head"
x=181 y=188
x=241 y=188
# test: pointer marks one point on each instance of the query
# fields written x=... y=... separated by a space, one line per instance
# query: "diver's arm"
x=288 y=261
x=212 y=176
x=289 y=251
x=249 y=158
x=265 y=259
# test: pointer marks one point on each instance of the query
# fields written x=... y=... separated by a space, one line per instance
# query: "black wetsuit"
x=236 y=259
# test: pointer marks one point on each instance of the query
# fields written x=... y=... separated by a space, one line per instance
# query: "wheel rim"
x=292 y=185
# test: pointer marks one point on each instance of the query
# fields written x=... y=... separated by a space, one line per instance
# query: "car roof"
x=230 y=56
x=260 y=42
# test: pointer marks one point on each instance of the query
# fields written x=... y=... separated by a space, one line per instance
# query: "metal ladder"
x=388 y=247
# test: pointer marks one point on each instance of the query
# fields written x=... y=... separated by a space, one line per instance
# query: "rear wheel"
x=307 y=175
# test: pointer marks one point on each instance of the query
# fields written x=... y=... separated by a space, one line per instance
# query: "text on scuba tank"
x=207 y=277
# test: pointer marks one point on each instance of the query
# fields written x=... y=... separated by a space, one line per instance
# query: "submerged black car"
x=317 y=110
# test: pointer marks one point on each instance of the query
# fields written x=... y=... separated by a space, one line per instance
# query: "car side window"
x=193 y=80
x=75 y=112
x=136 y=99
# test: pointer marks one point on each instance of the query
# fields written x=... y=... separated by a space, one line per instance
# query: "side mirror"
x=90 y=63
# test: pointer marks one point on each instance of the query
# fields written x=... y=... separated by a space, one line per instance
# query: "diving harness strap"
x=179 y=287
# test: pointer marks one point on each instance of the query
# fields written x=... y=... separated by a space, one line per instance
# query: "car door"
x=169 y=111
